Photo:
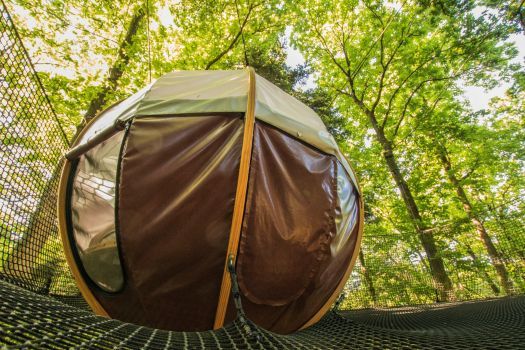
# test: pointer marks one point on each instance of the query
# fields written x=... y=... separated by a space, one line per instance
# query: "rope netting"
x=31 y=320
x=390 y=271
x=32 y=143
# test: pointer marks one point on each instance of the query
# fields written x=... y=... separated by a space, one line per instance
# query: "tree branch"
x=400 y=86
x=405 y=107
x=374 y=13
x=363 y=92
x=385 y=67
x=390 y=19
x=235 y=38
x=116 y=71
x=471 y=170
x=329 y=52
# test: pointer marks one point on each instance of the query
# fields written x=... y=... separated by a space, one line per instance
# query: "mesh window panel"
x=93 y=214
x=347 y=211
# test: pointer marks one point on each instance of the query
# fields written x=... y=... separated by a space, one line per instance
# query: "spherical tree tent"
x=197 y=169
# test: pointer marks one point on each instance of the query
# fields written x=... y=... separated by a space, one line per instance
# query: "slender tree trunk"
x=442 y=282
x=368 y=278
x=437 y=267
x=21 y=262
x=489 y=280
x=520 y=13
x=115 y=72
x=493 y=253
x=519 y=249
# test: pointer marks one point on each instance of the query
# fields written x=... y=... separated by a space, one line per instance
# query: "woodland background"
x=444 y=184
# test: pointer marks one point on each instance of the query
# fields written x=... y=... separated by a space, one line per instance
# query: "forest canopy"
x=443 y=183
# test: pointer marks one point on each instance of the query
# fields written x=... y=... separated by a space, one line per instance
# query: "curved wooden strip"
x=240 y=201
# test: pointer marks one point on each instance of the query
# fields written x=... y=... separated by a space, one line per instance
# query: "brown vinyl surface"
x=286 y=268
x=176 y=193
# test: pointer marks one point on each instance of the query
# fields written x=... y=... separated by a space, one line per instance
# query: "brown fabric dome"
x=150 y=214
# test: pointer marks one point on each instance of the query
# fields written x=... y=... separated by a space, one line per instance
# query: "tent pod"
x=159 y=189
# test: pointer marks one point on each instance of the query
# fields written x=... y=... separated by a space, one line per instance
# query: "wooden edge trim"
x=240 y=201
x=322 y=311
x=62 y=228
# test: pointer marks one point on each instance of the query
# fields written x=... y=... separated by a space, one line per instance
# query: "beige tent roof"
x=183 y=92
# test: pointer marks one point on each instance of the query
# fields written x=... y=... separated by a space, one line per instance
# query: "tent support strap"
x=240 y=200
x=246 y=325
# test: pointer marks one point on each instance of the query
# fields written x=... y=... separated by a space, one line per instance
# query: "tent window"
x=347 y=208
x=93 y=214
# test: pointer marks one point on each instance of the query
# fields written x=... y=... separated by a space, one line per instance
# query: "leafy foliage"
x=442 y=183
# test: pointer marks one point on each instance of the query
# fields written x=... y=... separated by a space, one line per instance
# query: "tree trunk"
x=442 y=282
x=489 y=280
x=368 y=278
x=520 y=13
x=519 y=249
x=115 y=72
x=21 y=262
x=493 y=253
x=437 y=267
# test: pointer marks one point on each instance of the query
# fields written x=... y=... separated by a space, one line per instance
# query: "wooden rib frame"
x=240 y=201
x=238 y=213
